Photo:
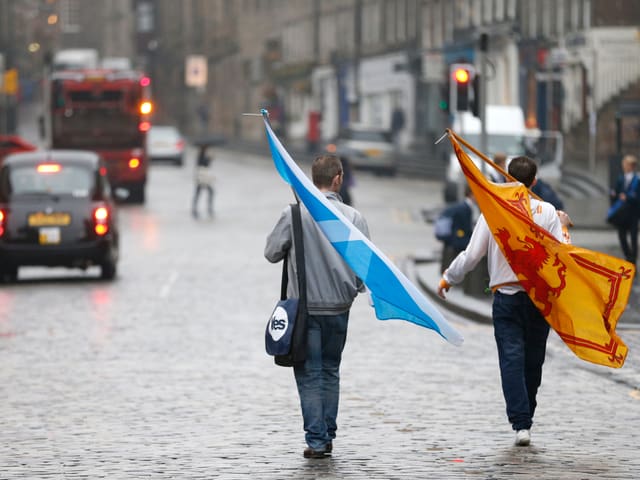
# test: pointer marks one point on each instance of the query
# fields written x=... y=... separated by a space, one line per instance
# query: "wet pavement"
x=162 y=374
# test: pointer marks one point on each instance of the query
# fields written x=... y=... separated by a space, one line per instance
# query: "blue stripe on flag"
x=394 y=296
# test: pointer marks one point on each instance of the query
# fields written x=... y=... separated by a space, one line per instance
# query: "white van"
x=506 y=133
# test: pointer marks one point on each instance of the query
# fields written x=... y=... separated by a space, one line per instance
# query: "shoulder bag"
x=286 y=332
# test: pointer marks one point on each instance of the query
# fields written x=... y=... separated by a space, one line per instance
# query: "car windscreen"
x=51 y=179
x=159 y=134
x=510 y=145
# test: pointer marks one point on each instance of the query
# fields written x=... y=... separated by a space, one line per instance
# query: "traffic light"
x=461 y=87
x=475 y=102
x=444 y=98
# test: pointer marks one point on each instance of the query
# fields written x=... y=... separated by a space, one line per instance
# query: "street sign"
x=196 y=71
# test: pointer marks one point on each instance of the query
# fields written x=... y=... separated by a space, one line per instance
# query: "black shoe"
x=328 y=448
x=311 y=453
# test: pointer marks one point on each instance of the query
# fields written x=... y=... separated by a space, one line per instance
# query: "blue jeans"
x=521 y=336
x=318 y=379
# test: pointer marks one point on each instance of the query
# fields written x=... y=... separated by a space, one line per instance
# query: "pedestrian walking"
x=547 y=193
x=203 y=181
x=347 y=181
x=520 y=329
x=331 y=289
x=627 y=190
x=500 y=159
x=453 y=228
x=397 y=124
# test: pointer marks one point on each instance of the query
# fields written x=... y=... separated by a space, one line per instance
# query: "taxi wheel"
x=108 y=270
x=9 y=274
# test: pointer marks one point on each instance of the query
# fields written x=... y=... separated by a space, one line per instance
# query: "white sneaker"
x=523 y=438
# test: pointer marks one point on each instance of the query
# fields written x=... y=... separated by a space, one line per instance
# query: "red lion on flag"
x=526 y=264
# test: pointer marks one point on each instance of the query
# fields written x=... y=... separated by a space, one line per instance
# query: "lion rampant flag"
x=581 y=293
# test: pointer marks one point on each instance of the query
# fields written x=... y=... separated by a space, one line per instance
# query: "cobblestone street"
x=163 y=374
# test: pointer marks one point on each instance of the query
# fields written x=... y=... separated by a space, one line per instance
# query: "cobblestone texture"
x=162 y=374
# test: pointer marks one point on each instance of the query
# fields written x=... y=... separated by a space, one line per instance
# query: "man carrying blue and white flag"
x=331 y=288
x=393 y=295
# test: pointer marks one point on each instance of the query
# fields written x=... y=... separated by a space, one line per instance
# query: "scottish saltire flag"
x=393 y=295
x=581 y=293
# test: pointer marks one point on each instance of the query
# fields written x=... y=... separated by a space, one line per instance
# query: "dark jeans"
x=521 y=336
x=318 y=380
x=628 y=236
x=196 y=196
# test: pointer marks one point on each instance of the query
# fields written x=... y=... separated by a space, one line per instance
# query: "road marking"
x=166 y=288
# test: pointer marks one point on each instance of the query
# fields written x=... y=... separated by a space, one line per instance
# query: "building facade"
x=318 y=65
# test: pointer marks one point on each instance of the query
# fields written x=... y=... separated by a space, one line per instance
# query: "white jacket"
x=482 y=243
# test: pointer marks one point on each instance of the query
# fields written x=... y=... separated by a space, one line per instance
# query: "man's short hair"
x=324 y=169
x=523 y=169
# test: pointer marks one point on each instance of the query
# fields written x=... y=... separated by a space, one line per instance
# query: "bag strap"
x=285 y=279
x=299 y=246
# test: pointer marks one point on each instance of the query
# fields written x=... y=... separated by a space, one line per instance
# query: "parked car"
x=165 y=143
x=12 y=144
x=367 y=148
x=56 y=209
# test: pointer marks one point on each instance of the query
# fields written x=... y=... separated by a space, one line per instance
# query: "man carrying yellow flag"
x=538 y=281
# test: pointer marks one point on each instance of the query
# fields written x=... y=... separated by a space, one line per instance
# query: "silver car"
x=367 y=148
x=165 y=143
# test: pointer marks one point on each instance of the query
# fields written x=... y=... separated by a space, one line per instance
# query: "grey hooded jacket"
x=331 y=284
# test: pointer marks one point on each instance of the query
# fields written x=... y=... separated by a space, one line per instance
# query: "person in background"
x=347 y=181
x=203 y=181
x=457 y=221
x=331 y=289
x=547 y=193
x=499 y=159
x=397 y=124
x=627 y=189
x=520 y=329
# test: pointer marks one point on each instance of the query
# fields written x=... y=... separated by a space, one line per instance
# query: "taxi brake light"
x=101 y=219
x=145 y=81
x=144 y=126
x=49 y=168
x=1 y=223
x=101 y=214
x=134 y=163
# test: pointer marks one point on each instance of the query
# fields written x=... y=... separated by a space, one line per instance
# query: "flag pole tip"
x=445 y=134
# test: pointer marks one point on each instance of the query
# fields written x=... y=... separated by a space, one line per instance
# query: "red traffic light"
x=461 y=75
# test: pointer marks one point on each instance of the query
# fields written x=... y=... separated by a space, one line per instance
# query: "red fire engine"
x=106 y=111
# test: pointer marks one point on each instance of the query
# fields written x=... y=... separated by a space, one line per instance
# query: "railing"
x=610 y=58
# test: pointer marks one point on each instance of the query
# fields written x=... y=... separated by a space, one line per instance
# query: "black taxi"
x=56 y=210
